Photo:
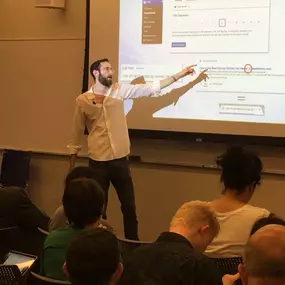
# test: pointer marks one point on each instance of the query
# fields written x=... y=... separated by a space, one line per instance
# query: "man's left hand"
x=189 y=70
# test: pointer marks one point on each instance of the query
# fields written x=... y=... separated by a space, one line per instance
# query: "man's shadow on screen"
x=146 y=107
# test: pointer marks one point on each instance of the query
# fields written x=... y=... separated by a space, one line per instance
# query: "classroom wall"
x=41 y=71
x=160 y=189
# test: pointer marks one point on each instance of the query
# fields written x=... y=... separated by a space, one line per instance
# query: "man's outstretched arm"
x=130 y=91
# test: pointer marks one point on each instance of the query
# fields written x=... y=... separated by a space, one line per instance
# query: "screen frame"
x=18 y=253
x=31 y=256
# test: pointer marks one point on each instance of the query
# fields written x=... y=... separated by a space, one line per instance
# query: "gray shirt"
x=59 y=220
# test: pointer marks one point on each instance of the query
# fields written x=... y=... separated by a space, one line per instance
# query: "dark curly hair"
x=240 y=168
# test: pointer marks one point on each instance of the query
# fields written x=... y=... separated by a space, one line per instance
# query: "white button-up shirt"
x=108 y=137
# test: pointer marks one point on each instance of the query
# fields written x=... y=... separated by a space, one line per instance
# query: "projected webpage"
x=240 y=42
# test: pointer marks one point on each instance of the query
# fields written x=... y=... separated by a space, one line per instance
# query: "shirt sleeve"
x=78 y=127
x=132 y=91
x=58 y=220
x=266 y=213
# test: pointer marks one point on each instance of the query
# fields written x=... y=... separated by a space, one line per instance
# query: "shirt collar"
x=90 y=94
x=173 y=237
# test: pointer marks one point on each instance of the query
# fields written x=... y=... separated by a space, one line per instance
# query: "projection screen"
x=239 y=42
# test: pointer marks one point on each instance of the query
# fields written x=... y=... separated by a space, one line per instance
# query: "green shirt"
x=54 y=252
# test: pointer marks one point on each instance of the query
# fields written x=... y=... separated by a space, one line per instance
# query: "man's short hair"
x=265 y=258
x=93 y=257
x=80 y=172
x=83 y=202
x=195 y=214
x=96 y=65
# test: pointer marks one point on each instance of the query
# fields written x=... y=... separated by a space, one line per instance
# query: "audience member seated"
x=83 y=203
x=264 y=257
x=93 y=258
x=265 y=222
x=19 y=222
x=59 y=220
x=176 y=256
x=18 y=210
x=241 y=174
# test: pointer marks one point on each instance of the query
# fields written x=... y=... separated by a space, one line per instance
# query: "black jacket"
x=171 y=260
x=16 y=209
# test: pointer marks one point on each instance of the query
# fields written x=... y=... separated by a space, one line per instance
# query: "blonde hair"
x=196 y=214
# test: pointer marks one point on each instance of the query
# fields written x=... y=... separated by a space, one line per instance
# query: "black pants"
x=118 y=173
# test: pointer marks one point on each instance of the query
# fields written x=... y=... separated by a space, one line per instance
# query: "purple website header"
x=152 y=2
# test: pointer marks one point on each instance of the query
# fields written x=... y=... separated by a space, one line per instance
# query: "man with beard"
x=101 y=110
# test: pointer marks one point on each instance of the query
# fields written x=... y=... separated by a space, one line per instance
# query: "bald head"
x=264 y=255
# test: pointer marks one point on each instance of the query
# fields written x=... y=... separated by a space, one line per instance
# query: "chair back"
x=38 y=238
x=10 y=239
x=11 y=275
x=228 y=265
x=15 y=168
x=38 y=248
x=128 y=246
x=36 y=279
x=30 y=241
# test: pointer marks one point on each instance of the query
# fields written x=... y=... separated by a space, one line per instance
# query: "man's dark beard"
x=106 y=81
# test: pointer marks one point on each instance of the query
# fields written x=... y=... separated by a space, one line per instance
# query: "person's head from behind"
x=241 y=172
x=80 y=172
x=197 y=222
x=264 y=257
x=93 y=258
x=83 y=203
x=265 y=222
x=102 y=72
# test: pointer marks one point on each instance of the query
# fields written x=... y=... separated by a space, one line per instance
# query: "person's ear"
x=203 y=229
x=253 y=186
x=243 y=274
x=95 y=73
x=119 y=271
x=64 y=269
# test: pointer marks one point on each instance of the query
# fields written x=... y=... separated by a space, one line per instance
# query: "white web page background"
x=241 y=43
